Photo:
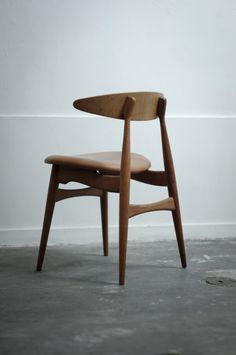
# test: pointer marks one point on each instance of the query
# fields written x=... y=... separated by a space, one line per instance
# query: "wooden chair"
x=112 y=171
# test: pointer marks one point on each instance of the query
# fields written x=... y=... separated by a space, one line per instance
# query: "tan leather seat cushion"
x=103 y=161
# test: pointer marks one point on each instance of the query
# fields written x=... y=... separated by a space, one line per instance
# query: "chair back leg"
x=172 y=188
x=178 y=223
x=51 y=199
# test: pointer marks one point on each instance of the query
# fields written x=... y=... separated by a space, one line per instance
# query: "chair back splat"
x=112 y=105
x=103 y=172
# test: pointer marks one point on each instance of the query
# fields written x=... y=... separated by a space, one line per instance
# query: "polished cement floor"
x=75 y=306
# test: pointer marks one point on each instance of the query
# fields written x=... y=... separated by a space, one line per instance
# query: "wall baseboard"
x=19 y=237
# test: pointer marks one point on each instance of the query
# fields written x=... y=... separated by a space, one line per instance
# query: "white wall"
x=55 y=51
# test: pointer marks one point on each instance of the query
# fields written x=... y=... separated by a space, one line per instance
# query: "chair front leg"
x=52 y=190
x=104 y=217
x=125 y=176
x=123 y=232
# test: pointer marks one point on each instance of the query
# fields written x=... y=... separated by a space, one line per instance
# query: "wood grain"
x=104 y=219
x=51 y=199
x=172 y=186
x=125 y=189
x=63 y=194
x=151 y=177
x=112 y=105
x=164 y=205
x=91 y=178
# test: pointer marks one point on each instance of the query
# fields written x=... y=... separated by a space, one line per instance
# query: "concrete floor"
x=76 y=307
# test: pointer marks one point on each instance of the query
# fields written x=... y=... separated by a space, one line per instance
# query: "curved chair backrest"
x=145 y=108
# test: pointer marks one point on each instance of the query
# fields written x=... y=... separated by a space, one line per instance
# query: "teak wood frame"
x=102 y=183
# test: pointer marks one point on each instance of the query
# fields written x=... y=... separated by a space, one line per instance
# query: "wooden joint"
x=151 y=177
x=88 y=177
x=63 y=194
x=164 y=205
x=128 y=107
x=161 y=108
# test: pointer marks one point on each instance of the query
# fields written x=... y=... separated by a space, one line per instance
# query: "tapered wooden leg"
x=178 y=227
x=53 y=186
x=104 y=217
x=123 y=233
x=123 y=236
x=124 y=196
x=172 y=186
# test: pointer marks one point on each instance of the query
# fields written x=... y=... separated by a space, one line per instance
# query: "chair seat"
x=106 y=162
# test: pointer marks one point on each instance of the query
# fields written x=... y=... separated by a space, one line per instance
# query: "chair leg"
x=104 y=217
x=53 y=186
x=178 y=224
x=123 y=236
x=172 y=186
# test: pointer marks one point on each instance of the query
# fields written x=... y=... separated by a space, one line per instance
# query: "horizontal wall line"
x=71 y=116
x=30 y=236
